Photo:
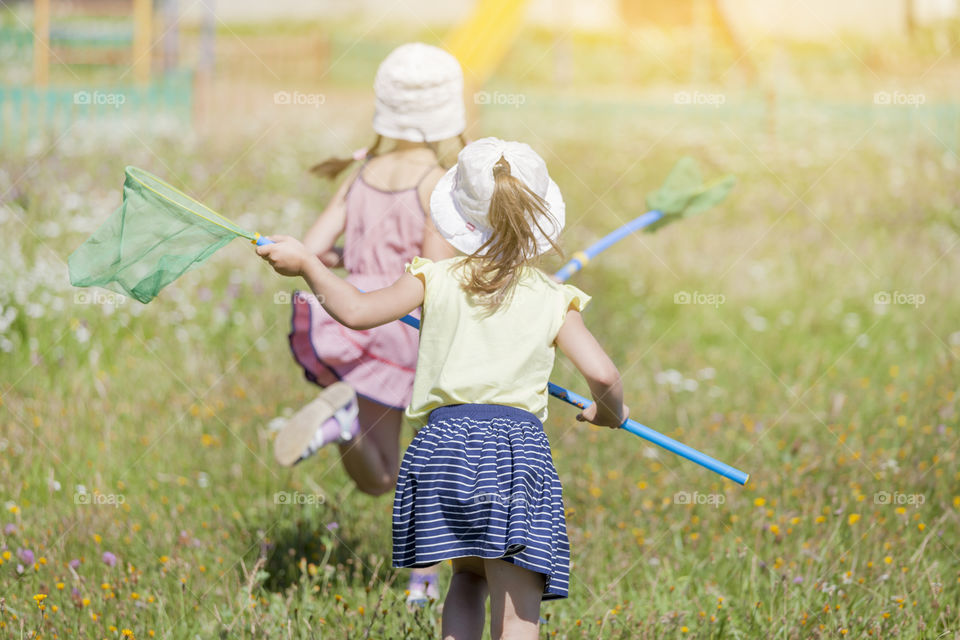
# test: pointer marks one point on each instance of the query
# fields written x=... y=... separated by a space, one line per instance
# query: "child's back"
x=472 y=354
x=385 y=219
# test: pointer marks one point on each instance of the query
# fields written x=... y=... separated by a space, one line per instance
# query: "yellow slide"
x=481 y=42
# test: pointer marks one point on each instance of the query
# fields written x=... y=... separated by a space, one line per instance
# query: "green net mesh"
x=156 y=235
x=684 y=194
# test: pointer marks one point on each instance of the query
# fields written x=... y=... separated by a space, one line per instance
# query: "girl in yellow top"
x=477 y=485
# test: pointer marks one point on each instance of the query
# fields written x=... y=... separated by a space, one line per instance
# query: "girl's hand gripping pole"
x=659 y=439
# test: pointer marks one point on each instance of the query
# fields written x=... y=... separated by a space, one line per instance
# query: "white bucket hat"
x=419 y=94
x=460 y=203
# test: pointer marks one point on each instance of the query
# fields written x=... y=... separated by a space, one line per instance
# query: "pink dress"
x=384 y=231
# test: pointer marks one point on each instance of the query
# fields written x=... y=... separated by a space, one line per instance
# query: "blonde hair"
x=490 y=272
x=334 y=166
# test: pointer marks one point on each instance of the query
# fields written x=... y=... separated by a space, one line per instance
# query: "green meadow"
x=806 y=331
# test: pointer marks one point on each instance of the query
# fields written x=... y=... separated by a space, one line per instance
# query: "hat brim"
x=467 y=238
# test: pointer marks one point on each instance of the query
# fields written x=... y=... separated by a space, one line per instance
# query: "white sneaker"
x=422 y=589
x=304 y=433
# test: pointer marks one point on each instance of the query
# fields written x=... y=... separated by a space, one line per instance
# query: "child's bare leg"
x=465 y=605
x=515 y=595
x=372 y=459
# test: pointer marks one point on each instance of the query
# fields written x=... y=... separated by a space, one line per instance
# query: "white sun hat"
x=419 y=94
x=460 y=203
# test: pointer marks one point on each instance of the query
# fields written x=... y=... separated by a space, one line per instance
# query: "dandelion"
x=759 y=502
x=60 y=586
x=921 y=526
x=775 y=529
x=888 y=560
x=853 y=518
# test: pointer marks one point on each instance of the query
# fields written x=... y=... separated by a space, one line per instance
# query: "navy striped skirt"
x=479 y=480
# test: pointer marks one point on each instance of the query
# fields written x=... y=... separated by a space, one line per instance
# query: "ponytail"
x=515 y=214
x=333 y=167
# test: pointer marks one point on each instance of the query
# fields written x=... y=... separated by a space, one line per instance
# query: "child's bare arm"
x=586 y=354
x=321 y=237
x=344 y=302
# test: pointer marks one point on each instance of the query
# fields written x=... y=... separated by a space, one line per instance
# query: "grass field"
x=807 y=331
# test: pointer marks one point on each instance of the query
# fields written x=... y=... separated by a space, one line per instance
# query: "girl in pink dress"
x=382 y=210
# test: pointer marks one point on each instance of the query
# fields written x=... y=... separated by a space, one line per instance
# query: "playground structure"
x=108 y=60
x=92 y=61
x=482 y=41
x=137 y=40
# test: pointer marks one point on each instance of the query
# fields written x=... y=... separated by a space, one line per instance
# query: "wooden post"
x=41 y=42
x=142 y=37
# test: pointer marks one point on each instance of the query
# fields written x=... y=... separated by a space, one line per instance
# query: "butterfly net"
x=156 y=235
